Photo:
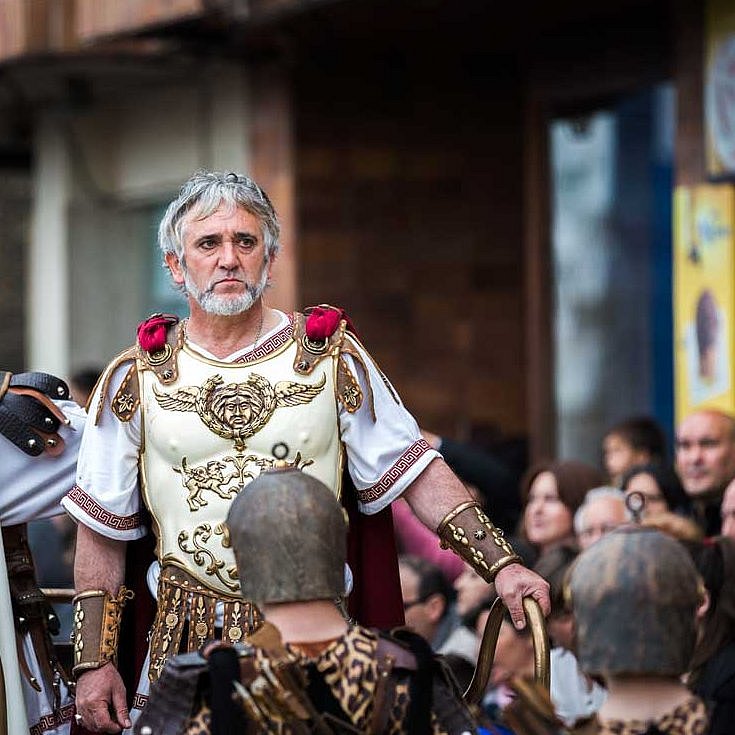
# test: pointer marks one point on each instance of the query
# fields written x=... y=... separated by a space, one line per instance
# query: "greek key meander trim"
x=399 y=468
x=140 y=700
x=53 y=720
x=96 y=511
x=273 y=343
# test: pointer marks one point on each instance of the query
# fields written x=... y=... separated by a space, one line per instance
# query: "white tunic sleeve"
x=31 y=487
x=106 y=497
x=386 y=455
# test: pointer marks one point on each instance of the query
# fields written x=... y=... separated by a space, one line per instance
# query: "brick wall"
x=409 y=196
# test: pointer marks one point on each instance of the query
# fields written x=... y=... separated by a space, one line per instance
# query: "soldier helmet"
x=289 y=535
x=634 y=595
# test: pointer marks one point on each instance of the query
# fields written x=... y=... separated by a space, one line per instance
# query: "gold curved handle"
x=541 y=658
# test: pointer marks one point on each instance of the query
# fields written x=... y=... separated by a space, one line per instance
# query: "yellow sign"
x=704 y=297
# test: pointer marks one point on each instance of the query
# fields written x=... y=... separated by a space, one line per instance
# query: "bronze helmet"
x=634 y=595
x=289 y=535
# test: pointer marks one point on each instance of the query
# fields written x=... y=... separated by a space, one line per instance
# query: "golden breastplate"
x=209 y=434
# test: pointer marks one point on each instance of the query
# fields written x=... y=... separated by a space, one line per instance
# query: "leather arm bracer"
x=471 y=535
x=97 y=616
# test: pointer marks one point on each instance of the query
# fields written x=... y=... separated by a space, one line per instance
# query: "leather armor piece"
x=471 y=535
x=32 y=612
x=28 y=417
x=97 y=616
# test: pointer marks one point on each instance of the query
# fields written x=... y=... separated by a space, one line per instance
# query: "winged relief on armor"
x=237 y=411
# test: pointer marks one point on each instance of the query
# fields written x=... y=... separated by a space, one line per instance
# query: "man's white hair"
x=605 y=491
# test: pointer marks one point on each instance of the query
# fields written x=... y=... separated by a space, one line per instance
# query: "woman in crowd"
x=552 y=492
x=659 y=486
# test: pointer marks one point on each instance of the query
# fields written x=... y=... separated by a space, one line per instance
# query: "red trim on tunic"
x=94 y=510
x=396 y=471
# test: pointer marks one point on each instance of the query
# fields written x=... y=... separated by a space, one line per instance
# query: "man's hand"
x=101 y=700
x=515 y=582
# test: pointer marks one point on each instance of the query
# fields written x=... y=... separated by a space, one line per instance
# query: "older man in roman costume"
x=187 y=417
x=40 y=432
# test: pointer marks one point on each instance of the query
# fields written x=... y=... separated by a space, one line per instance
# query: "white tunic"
x=31 y=489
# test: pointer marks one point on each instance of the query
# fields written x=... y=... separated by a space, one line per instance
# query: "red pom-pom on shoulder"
x=152 y=332
x=323 y=321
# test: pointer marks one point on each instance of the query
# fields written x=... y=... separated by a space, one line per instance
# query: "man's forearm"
x=99 y=562
x=435 y=492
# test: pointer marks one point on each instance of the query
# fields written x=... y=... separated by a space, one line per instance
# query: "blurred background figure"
x=635 y=596
x=602 y=511
x=552 y=492
x=82 y=383
x=712 y=675
x=413 y=538
x=428 y=604
x=575 y=695
x=727 y=511
x=636 y=440
x=705 y=462
x=660 y=487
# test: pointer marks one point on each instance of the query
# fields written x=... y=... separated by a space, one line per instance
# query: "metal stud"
x=480 y=534
x=168 y=374
x=48 y=422
x=60 y=390
x=301 y=366
x=32 y=443
x=51 y=442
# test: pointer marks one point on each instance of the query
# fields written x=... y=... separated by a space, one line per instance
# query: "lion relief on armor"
x=237 y=411
x=212 y=476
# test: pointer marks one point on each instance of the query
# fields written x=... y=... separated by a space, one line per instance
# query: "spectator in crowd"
x=705 y=461
x=575 y=695
x=429 y=608
x=660 y=487
x=602 y=511
x=676 y=526
x=552 y=492
x=727 y=511
x=712 y=674
x=636 y=440
x=635 y=596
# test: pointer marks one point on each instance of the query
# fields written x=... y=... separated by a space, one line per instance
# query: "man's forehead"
x=225 y=215
x=704 y=423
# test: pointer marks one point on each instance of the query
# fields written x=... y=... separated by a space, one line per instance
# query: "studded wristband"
x=470 y=534
x=97 y=616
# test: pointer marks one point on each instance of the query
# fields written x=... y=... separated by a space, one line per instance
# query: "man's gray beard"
x=226 y=305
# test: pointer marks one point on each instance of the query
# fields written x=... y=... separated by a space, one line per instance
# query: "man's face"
x=620 y=456
x=472 y=591
x=421 y=615
x=705 y=453
x=727 y=511
x=225 y=268
x=600 y=516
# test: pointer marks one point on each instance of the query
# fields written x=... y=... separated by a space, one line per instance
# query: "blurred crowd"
x=555 y=518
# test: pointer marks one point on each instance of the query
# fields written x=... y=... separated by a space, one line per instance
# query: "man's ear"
x=174 y=265
x=435 y=607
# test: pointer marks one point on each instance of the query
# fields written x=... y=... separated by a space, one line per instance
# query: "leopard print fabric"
x=200 y=723
x=689 y=718
x=350 y=669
